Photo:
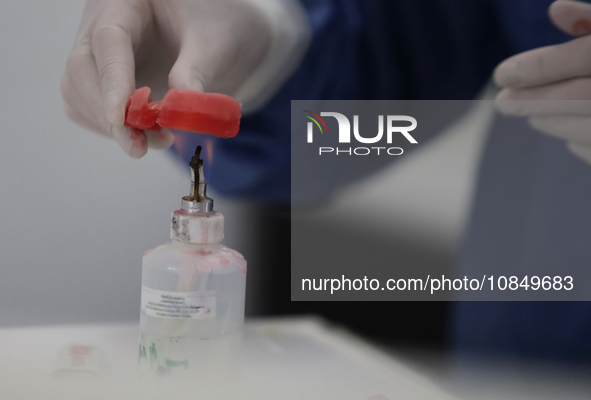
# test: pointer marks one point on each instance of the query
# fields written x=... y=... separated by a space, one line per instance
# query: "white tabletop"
x=284 y=359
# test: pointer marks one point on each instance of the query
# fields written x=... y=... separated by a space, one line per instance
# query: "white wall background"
x=76 y=214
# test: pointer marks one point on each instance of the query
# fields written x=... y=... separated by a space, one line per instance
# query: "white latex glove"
x=243 y=48
x=552 y=85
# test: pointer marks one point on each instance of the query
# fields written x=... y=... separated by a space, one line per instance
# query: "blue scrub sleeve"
x=378 y=49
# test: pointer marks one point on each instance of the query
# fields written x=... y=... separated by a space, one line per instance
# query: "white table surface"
x=300 y=358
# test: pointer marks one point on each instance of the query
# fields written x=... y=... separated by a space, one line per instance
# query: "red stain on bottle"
x=582 y=27
x=200 y=252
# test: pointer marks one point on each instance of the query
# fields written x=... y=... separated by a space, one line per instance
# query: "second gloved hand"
x=552 y=85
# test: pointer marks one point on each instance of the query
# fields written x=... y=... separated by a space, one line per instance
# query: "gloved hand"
x=242 y=48
x=552 y=85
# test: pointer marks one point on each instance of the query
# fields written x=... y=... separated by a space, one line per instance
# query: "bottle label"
x=179 y=305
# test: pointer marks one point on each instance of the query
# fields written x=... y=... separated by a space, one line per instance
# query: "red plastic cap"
x=139 y=114
x=210 y=113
